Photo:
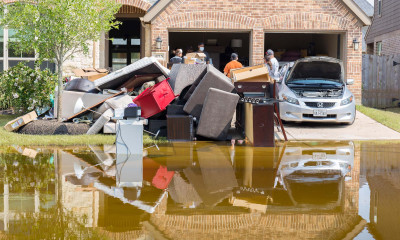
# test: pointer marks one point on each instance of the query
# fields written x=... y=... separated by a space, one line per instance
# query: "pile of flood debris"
x=184 y=103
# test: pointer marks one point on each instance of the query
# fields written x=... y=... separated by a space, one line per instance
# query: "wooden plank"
x=364 y=77
x=382 y=82
x=396 y=75
x=374 y=81
x=370 y=80
x=389 y=81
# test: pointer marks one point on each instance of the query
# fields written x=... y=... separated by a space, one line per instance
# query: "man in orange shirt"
x=232 y=64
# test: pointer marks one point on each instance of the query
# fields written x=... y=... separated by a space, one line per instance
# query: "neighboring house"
x=368 y=7
x=294 y=29
x=383 y=36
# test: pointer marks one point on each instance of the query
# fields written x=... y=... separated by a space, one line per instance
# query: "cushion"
x=217 y=114
x=212 y=79
x=184 y=75
x=119 y=102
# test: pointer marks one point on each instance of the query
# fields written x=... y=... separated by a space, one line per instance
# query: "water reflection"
x=304 y=190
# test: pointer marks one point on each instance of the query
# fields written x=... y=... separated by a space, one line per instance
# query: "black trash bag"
x=81 y=85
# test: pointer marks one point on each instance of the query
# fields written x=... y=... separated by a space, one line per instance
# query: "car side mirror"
x=350 y=81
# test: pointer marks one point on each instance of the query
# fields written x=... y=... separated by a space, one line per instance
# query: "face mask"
x=201 y=48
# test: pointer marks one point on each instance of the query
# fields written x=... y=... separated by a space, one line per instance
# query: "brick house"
x=383 y=36
x=293 y=28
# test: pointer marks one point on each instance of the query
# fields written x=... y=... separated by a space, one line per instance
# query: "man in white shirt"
x=274 y=68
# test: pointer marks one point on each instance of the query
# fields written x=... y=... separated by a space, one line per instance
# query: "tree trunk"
x=59 y=90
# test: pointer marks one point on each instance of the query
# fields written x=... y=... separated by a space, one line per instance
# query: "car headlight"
x=347 y=101
x=290 y=99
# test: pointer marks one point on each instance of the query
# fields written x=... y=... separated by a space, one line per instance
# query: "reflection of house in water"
x=382 y=170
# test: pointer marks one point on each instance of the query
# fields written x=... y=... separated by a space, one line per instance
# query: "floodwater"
x=203 y=190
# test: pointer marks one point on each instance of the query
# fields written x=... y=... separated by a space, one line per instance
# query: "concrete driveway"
x=364 y=128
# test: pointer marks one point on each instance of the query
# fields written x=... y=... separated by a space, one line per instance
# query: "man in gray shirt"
x=274 y=68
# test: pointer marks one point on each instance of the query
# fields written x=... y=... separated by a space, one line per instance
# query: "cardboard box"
x=90 y=73
x=258 y=73
x=29 y=152
x=192 y=58
x=21 y=121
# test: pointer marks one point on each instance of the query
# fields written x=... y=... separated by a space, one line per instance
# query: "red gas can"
x=155 y=99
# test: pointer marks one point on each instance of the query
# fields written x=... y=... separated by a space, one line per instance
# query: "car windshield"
x=316 y=73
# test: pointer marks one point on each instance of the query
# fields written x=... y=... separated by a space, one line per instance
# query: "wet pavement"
x=202 y=190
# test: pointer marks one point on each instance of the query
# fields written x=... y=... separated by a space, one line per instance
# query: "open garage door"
x=292 y=46
x=219 y=45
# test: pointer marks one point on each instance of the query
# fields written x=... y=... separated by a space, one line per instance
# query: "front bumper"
x=304 y=113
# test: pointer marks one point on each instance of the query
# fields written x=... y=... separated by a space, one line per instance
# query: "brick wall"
x=259 y=16
x=80 y=60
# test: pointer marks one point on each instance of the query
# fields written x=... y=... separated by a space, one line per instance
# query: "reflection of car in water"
x=315 y=174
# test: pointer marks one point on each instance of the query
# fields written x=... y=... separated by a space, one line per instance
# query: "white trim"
x=358 y=12
x=155 y=10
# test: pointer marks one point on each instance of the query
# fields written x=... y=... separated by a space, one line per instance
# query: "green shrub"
x=25 y=89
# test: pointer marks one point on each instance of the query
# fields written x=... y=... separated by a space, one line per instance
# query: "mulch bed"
x=52 y=127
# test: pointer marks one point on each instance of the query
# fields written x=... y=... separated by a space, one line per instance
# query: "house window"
x=379 y=48
x=9 y=57
x=380 y=8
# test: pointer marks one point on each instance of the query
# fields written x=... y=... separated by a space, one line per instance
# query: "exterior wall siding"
x=387 y=22
x=385 y=28
x=391 y=45
x=258 y=17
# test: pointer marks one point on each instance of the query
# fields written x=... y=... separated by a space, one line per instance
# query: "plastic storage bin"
x=155 y=99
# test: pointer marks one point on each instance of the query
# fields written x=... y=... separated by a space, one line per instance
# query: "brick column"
x=257 y=46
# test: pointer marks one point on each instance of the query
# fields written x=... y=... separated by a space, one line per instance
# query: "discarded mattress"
x=212 y=79
x=144 y=66
x=184 y=75
x=217 y=114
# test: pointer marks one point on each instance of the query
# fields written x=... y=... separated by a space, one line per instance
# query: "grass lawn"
x=389 y=117
x=12 y=138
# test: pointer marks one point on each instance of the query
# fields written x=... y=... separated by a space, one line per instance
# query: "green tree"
x=58 y=29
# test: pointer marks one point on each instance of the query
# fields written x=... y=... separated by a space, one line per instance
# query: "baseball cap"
x=270 y=52
x=234 y=56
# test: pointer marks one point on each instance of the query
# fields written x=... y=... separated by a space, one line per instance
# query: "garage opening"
x=220 y=46
x=292 y=46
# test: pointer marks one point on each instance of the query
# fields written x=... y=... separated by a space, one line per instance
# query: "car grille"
x=324 y=104
x=311 y=116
